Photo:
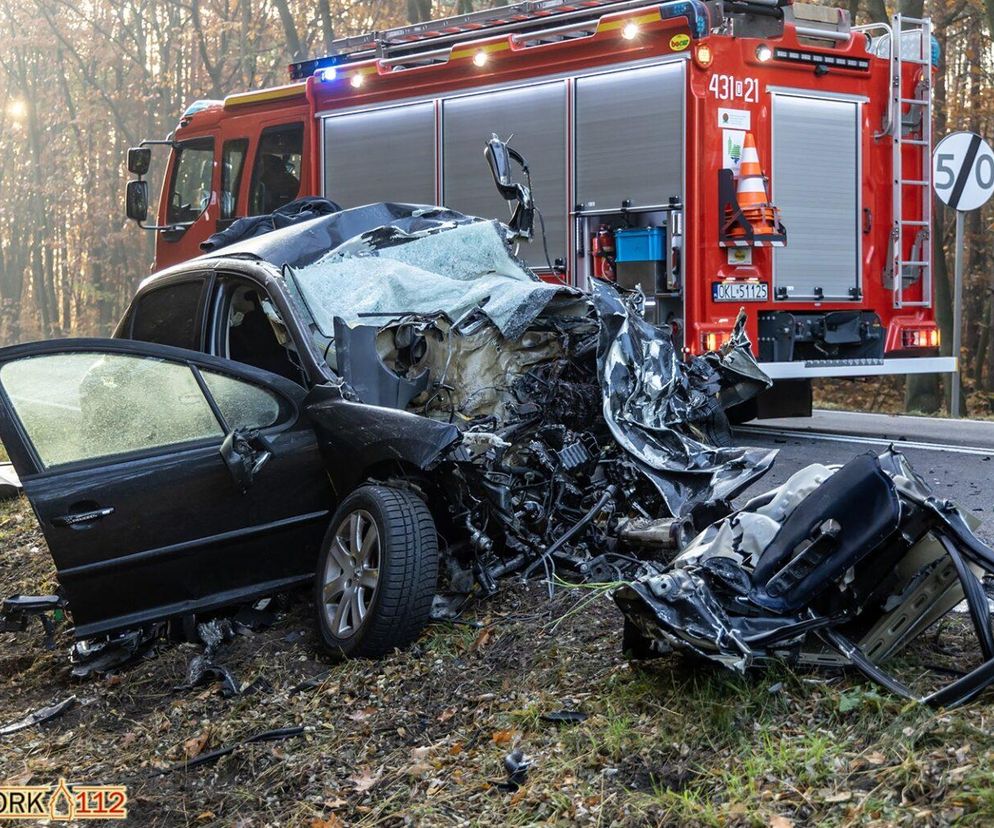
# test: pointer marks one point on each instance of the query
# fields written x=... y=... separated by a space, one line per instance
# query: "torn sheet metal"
x=36 y=717
x=839 y=565
x=659 y=408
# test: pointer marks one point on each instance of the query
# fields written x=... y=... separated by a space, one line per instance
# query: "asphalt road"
x=956 y=457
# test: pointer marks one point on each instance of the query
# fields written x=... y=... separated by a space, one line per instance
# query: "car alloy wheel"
x=376 y=574
x=351 y=573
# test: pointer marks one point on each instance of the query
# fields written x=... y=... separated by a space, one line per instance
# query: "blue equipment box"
x=640 y=244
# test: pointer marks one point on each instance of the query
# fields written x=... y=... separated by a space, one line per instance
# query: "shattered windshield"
x=451 y=269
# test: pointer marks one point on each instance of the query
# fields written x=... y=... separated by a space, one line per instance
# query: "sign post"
x=963 y=178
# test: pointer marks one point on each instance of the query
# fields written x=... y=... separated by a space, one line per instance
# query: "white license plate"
x=740 y=291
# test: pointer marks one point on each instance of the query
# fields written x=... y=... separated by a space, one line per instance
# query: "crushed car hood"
x=436 y=262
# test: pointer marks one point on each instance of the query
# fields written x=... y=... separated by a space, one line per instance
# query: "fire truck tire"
x=743 y=412
x=716 y=429
x=377 y=573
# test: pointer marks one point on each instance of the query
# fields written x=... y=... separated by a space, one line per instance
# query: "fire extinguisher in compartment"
x=603 y=250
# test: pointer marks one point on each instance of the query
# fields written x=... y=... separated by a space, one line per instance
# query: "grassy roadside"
x=419 y=737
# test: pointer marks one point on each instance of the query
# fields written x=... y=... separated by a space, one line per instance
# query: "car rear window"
x=168 y=316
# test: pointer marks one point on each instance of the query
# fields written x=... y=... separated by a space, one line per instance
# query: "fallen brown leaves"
x=420 y=737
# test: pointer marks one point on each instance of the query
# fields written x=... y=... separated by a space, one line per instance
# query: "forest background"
x=82 y=80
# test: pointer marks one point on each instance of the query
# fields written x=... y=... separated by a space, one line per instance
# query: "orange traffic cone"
x=751 y=192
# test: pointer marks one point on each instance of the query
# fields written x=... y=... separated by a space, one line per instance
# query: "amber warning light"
x=713 y=340
x=920 y=338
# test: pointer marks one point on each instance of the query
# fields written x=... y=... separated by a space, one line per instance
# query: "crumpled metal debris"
x=275 y=735
x=838 y=566
x=36 y=717
x=100 y=656
x=203 y=668
x=517 y=766
x=662 y=410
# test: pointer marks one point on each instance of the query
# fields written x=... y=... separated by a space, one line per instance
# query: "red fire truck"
x=633 y=118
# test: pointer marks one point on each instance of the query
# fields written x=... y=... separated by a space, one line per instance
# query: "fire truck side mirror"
x=139 y=160
x=136 y=200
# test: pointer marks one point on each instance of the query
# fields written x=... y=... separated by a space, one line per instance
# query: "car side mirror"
x=499 y=159
x=136 y=200
x=139 y=160
x=245 y=453
x=499 y=156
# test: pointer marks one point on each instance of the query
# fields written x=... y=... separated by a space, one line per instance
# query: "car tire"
x=377 y=573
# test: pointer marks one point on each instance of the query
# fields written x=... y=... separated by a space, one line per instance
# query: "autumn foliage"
x=80 y=82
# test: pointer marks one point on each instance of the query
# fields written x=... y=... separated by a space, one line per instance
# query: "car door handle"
x=76 y=518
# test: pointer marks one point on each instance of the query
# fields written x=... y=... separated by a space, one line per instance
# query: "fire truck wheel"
x=716 y=429
x=743 y=412
x=377 y=573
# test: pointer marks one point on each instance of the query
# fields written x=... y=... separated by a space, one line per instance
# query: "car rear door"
x=119 y=447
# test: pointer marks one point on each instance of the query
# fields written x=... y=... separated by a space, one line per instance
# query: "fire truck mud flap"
x=839 y=566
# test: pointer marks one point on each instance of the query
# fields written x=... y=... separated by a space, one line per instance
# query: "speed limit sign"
x=963 y=171
x=963 y=178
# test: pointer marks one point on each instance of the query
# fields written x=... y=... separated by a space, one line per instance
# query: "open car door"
x=165 y=481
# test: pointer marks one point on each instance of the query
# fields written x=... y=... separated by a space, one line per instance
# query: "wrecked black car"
x=384 y=401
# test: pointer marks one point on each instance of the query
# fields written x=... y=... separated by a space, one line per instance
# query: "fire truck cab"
x=637 y=122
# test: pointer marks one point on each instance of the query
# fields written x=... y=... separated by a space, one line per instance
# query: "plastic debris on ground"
x=43 y=714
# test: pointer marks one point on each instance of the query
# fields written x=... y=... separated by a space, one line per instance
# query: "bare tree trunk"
x=209 y=66
x=293 y=47
x=327 y=25
x=878 y=11
x=418 y=11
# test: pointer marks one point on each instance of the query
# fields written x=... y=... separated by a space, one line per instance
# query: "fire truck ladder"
x=911 y=42
x=572 y=19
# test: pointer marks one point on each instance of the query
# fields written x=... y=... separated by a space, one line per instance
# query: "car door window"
x=79 y=406
x=232 y=163
x=242 y=405
x=249 y=332
x=276 y=173
x=190 y=188
x=169 y=315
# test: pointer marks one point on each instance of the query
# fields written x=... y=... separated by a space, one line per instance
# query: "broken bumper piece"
x=838 y=566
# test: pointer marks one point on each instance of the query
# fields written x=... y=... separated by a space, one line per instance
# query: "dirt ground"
x=419 y=738
x=885 y=395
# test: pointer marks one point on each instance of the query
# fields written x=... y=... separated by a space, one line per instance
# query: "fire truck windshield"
x=190 y=187
x=276 y=176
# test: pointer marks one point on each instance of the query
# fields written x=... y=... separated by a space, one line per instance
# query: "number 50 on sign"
x=963 y=171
